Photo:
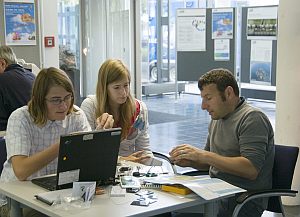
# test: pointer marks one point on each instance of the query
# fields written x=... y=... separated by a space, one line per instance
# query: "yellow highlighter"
x=178 y=189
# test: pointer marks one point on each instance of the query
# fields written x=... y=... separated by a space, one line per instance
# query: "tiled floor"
x=188 y=124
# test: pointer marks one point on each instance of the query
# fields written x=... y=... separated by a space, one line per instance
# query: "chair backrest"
x=2 y=153
x=30 y=66
x=283 y=172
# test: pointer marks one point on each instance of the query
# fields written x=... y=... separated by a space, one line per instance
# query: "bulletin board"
x=192 y=64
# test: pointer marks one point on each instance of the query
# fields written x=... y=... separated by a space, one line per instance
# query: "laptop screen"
x=85 y=156
x=88 y=156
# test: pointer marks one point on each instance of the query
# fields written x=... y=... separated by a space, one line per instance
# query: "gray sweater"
x=245 y=132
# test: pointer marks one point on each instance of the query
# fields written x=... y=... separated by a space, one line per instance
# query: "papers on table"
x=84 y=190
x=81 y=191
x=206 y=187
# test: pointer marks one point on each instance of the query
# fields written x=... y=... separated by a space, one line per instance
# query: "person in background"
x=113 y=106
x=15 y=85
x=240 y=142
x=33 y=131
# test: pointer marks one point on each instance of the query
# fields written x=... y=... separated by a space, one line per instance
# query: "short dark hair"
x=221 y=77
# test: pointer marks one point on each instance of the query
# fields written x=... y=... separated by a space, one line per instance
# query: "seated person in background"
x=33 y=131
x=15 y=85
x=240 y=142
x=113 y=106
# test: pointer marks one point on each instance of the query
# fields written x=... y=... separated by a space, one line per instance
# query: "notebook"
x=85 y=156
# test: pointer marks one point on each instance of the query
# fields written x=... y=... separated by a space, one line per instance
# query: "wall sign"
x=20 y=27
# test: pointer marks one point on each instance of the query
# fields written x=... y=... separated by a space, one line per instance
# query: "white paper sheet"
x=206 y=187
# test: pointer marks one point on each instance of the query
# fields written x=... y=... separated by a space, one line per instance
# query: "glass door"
x=106 y=27
x=69 y=41
x=158 y=38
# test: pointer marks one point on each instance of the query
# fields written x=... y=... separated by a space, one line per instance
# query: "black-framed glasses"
x=58 y=101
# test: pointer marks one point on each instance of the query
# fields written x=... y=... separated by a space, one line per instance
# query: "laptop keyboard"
x=48 y=182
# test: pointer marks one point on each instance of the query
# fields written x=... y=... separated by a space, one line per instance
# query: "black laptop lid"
x=88 y=156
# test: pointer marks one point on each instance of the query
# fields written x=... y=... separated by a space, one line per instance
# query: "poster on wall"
x=191 y=30
x=262 y=23
x=222 y=23
x=221 y=49
x=20 y=27
x=261 y=62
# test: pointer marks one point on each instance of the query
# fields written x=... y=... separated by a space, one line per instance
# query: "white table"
x=23 y=193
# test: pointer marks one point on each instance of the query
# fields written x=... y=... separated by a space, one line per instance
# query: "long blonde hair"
x=113 y=70
x=46 y=79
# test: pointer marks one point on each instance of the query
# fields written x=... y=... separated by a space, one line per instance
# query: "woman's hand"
x=137 y=157
x=105 y=121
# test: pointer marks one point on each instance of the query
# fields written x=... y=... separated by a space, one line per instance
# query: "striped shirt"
x=23 y=137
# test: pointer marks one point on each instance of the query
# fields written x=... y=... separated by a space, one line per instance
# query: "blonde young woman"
x=113 y=106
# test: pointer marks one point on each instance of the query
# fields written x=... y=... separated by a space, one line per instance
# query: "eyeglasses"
x=58 y=101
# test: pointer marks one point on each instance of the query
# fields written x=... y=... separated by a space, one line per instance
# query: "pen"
x=44 y=200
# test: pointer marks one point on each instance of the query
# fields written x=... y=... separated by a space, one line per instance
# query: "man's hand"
x=105 y=121
x=186 y=155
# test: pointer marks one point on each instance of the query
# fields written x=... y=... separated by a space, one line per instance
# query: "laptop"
x=84 y=156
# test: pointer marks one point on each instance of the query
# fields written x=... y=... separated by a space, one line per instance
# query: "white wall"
x=287 y=125
x=49 y=27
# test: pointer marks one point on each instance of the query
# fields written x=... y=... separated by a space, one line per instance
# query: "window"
x=69 y=41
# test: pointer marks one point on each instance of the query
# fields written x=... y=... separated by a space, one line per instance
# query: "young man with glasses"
x=15 y=85
x=33 y=131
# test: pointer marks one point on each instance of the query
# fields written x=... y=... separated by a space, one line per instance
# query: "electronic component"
x=130 y=182
x=132 y=190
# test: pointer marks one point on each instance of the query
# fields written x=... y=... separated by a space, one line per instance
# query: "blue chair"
x=283 y=171
x=2 y=153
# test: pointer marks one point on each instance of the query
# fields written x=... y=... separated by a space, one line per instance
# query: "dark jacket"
x=15 y=90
